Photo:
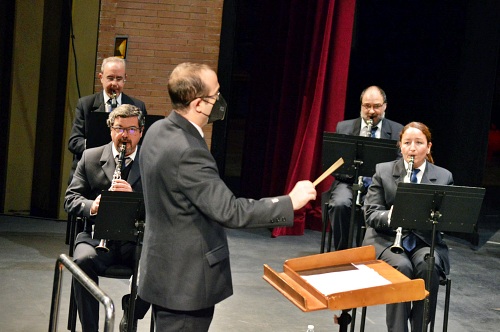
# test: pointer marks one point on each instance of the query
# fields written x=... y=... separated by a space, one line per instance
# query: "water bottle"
x=310 y=328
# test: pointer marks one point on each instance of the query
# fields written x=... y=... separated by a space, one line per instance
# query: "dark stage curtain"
x=321 y=104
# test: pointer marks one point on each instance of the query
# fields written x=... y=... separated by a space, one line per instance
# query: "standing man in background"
x=373 y=106
x=185 y=270
x=113 y=77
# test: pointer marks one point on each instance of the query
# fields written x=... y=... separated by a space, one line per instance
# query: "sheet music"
x=335 y=282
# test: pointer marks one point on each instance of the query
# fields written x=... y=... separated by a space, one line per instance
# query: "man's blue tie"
x=410 y=242
x=367 y=181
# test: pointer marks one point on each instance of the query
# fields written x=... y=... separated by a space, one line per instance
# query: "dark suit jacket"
x=380 y=198
x=185 y=256
x=80 y=129
x=94 y=174
x=389 y=130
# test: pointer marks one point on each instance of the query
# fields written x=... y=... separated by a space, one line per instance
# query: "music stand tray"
x=306 y=297
x=458 y=207
x=369 y=150
x=118 y=213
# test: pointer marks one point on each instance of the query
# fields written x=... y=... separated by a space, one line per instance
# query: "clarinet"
x=396 y=247
x=369 y=124
x=117 y=175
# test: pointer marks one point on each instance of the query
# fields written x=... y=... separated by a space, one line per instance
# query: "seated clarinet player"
x=371 y=123
x=416 y=166
x=114 y=166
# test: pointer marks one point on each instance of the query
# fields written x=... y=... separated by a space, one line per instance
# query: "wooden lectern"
x=292 y=284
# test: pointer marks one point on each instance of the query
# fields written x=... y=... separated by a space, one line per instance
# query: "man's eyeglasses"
x=370 y=106
x=216 y=96
x=118 y=79
x=130 y=130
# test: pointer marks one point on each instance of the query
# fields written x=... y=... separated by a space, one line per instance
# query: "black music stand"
x=121 y=217
x=360 y=155
x=436 y=208
x=98 y=131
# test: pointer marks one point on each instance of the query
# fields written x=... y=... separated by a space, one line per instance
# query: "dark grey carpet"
x=30 y=247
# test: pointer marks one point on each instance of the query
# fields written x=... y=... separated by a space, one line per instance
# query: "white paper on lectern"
x=342 y=281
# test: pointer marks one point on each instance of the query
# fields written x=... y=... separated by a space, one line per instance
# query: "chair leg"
x=72 y=233
x=323 y=235
x=330 y=237
x=446 y=305
x=72 y=311
x=68 y=229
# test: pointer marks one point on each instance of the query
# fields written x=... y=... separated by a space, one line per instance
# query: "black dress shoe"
x=124 y=321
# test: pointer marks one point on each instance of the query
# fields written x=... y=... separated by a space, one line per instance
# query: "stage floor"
x=30 y=247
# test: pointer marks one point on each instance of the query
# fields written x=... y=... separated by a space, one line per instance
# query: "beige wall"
x=85 y=30
x=25 y=81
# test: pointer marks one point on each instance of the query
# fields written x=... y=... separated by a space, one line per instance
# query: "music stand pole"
x=431 y=260
x=133 y=289
x=355 y=189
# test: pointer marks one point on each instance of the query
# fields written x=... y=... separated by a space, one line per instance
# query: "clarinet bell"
x=102 y=247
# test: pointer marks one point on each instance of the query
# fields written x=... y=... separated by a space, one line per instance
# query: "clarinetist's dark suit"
x=339 y=206
x=81 y=128
x=185 y=256
x=94 y=174
x=379 y=233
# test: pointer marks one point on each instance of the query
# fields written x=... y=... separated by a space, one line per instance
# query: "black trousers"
x=94 y=264
x=168 y=320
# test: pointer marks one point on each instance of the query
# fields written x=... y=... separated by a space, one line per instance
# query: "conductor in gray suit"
x=415 y=142
x=373 y=105
x=185 y=268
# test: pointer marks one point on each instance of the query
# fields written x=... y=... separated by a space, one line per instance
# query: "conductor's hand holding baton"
x=302 y=193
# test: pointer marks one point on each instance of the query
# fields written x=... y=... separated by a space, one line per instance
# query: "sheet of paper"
x=335 y=282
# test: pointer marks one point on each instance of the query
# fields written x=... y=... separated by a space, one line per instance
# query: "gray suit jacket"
x=94 y=174
x=185 y=255
x=380 y=198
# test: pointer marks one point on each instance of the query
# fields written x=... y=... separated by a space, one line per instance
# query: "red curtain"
x=321 y=106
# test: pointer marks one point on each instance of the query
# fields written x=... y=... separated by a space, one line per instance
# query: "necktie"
x=110 y=107
x=368 y=180
x=410 y=242
x=413 y=177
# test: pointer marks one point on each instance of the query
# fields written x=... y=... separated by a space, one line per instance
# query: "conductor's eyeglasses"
x=215 y=96
x=130 y=130
x=374 y=106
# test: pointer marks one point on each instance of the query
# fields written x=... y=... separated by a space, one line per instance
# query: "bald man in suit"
x=373 y=105
x=113 y=77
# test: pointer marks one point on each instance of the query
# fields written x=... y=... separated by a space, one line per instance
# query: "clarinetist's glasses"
x=130 y=130
x=370 y=106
